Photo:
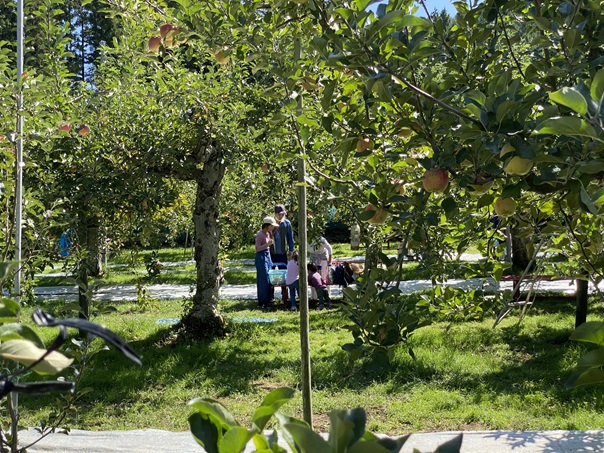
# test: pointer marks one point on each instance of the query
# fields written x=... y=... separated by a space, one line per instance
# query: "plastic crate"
x=277 y=276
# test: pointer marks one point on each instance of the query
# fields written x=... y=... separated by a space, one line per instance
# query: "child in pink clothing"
x=292 y=278
x=316 y=281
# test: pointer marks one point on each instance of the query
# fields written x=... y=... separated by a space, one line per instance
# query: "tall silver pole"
x=302 y=237
x=19 y=145
x=14 y=403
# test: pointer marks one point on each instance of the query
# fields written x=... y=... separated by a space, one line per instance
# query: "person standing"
x=264 y=263
x=283 y=235
x=320 y=255
x=315 y=281
x=292 y=278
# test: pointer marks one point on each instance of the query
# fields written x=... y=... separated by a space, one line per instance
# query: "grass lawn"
x=465 y=376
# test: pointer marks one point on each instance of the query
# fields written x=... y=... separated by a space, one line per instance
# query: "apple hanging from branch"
x=518 y=166
x=380 y=215
x=505 y=207
x=84 y=130
x=435 y=180
x=364 y=144
x=154 y=43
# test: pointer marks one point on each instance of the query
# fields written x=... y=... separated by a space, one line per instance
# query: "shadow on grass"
x=529 y=362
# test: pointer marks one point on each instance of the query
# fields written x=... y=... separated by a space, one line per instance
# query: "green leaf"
x=341 y=431
x=307 y=440
x=15 y=331
x=590 y=332
x=328 y=94
x=587 y=203
x=592 y=359
x=26 y=352
x=598 y=197
x=477 y=96
x=271 y=404
x=586 y=378
x=571 y=98
x=396 y=20
x=234 y=440
x=304 y=120
x=504 y=108
x=206 y=431
x=210 y=407
x=597 y=86
x=567 y=125
x=9 y=310
x=591 y=167
x=6 y=267
x=283 y=419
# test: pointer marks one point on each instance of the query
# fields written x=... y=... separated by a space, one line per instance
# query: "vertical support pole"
x=14 y=398
x=302 y=237
x=19 y=153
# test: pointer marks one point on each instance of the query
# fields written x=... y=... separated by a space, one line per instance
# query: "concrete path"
x=171 y=291
x=152 y=440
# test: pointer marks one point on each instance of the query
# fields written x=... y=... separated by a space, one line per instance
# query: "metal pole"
x=302 y=236
x=19 y=146
x=18 y=201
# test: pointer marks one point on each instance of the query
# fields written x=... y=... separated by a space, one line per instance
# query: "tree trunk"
x=93 y=245
x=202 y=319
x=581 y=307
x=520 y=257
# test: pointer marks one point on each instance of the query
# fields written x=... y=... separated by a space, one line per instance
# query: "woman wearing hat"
x=264 y=263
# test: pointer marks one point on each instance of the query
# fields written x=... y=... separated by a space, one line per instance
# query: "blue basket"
x=277 y=276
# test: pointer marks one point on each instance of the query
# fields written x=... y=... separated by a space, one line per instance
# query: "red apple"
x=145 y=202
x=505 y=207
x=380 y=215
x=65 y=127
x=264 y=168
x=518 y=166
x=154 y=43
x=435 y=180
x=84 y=130
x=364 y=144
x=165 y=29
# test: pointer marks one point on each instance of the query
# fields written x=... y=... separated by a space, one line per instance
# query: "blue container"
x=277 y=276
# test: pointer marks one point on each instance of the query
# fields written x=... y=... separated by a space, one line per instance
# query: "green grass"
x=465 y=376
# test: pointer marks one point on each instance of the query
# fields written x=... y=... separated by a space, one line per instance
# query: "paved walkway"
x=152 y=440
x=171 y=291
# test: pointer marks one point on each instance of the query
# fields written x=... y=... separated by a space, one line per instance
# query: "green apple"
x=505 y=207
x=518 y=166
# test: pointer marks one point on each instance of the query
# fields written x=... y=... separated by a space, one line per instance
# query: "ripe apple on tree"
x=154 y=43
x=64 y=127
x=380 y=215
x=364 y=144
x=165 y=29
x=505 y=207
x=435 y=180
x=84 y=130
x=264 y=168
